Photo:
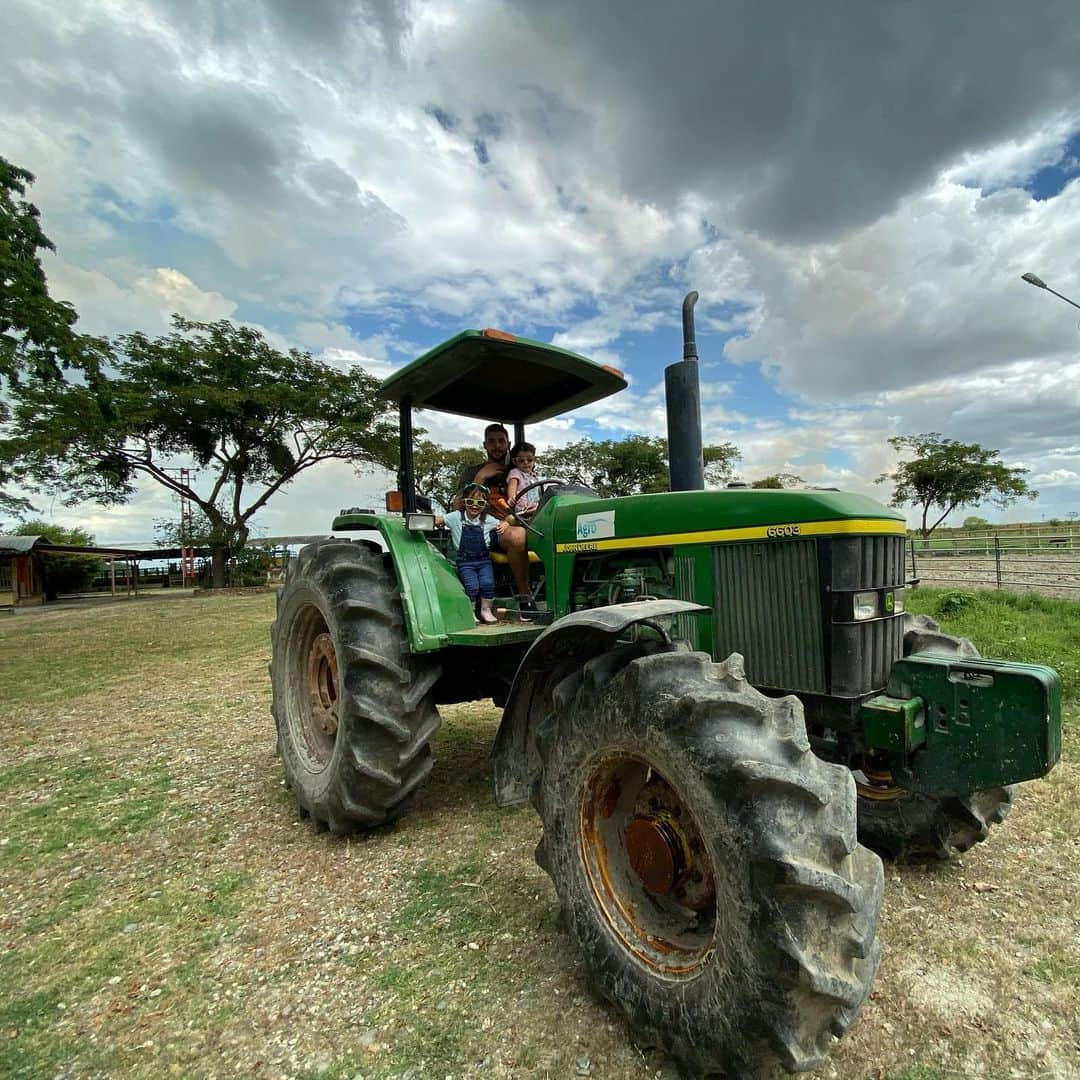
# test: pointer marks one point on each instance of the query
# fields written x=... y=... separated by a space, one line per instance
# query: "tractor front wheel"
x=903 y=824
x=354 y=709
x=706 y=860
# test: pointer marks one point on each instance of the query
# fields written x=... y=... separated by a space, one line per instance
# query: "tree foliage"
x=64 y=573
x=437 y=470
x=245 y=567
x=36 y=333
x=720 y=461
x=37 y=339
x=777 y=481
x=943 y=474
x=632 y=466
x=217 y=396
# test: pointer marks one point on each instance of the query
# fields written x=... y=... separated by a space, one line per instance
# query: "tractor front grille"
x=861 y=654
x=768 y=607
x=866 y=562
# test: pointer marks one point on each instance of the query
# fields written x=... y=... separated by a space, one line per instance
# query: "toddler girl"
x=471 y=530
x=523 y=458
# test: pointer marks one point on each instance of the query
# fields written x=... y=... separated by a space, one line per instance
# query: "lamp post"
x=1034 y=279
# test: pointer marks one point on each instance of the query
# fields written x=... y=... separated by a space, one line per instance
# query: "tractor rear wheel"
x=353 y=708
x=901 y=824
x=706 y=860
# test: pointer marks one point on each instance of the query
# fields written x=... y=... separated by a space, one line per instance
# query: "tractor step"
x=500 y=633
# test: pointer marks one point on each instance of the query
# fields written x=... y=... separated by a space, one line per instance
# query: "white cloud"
x=122 y=297
x=839 y=190
x=922 y=298
x=1012 y=161
x=1056 y=478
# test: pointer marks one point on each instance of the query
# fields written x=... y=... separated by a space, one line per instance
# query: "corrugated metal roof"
x=18 y=545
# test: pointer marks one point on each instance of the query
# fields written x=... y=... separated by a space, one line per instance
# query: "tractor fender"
x=434 y=603
x=568 y=643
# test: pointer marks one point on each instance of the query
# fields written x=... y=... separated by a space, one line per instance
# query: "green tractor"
x=722 y=697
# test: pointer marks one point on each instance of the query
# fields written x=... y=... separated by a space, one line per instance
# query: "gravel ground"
x=1051 y=575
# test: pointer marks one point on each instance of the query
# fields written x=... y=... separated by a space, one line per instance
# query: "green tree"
x=64 y=573
x=438 y=470
x=168 y=531
x=213 y=395
x=720 y=461
x=943 y=474
x=632 y=466
x=976 y=523
x=245 y=567
x=777 y=481
x=37 y=338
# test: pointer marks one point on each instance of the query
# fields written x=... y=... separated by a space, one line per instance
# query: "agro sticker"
x=596 y=526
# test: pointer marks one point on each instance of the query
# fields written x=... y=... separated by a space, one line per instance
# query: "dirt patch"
x=946 y=995
x=1049 y=575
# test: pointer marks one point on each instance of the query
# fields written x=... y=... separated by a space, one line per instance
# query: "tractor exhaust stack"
x=686 y=461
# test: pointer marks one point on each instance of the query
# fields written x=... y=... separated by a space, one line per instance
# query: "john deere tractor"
x=722 y=697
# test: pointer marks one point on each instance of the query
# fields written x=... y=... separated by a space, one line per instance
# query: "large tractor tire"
x=901 y=824
x=706 y=861
x=353 y=708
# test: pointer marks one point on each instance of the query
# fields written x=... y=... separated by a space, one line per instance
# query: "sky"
x=854 y=189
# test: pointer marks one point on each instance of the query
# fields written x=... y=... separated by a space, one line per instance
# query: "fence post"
x=997 y=558
x=911 y=544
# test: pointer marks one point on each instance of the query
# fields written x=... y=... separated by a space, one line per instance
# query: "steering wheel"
x=541 y=484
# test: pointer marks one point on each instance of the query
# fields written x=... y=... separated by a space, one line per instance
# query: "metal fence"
x=1049 y=562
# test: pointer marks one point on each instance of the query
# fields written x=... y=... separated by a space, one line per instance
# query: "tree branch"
x=951 y=508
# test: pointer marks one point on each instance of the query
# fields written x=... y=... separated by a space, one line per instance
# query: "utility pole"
x=187 y=530
x=187 y=527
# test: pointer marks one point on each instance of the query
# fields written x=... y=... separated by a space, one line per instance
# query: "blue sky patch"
x=1049 y=181
x=441 y=117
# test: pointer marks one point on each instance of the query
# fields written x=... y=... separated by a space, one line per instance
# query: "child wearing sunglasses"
x=471 y=529
x=521 y=477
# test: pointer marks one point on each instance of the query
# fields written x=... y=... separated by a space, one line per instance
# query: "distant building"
x=22 y=567
x=22 y=573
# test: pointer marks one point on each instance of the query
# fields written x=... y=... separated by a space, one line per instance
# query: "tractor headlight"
x=867 y=605
x=420 y=522
x=897 y=601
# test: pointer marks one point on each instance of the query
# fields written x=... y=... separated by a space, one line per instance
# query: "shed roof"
x=17 y=545
x=21 y=545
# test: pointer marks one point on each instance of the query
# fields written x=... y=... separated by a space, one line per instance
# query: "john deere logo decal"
x=890 y=603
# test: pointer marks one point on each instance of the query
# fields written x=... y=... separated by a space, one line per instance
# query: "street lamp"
x=1034 y=279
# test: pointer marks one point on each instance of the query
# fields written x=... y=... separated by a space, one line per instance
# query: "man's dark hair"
x=496 y=427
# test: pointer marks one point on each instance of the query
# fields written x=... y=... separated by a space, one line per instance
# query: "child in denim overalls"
x=471 y=530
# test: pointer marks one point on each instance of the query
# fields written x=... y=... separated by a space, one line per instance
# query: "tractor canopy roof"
x=493 y=375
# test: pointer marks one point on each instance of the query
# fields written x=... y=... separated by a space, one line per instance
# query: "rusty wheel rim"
x=647 y=865
x=875 y=782
x=314 y=714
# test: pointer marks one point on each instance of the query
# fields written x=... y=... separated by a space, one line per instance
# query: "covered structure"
x=23 y=559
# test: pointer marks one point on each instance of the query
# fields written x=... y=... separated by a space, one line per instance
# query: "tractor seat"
x=500 y=559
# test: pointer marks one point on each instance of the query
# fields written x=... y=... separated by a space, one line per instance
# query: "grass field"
x=164 y=912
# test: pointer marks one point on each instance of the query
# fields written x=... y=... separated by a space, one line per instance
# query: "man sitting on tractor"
x=508 y=539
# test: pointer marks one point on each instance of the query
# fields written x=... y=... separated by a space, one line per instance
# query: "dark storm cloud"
x=320 y=31
x=327 y=24
x=811 y=118
x=226 y=137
